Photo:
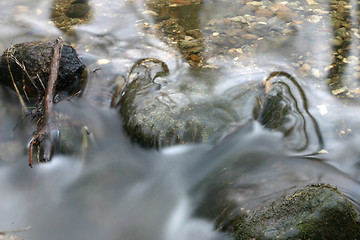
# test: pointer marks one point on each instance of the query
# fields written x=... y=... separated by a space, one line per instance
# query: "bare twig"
x=42 y=136
x=22 y=66
x=9 y=54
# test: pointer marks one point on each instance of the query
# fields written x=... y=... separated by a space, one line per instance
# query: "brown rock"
x=264 y=13
x=249 y=36
x=287 y=16
x=281 y=7
x=284 y=12
x=261 y=19
x=195 y=57
x=195 y=33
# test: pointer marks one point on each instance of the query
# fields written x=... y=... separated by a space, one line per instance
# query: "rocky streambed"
x=224 y=86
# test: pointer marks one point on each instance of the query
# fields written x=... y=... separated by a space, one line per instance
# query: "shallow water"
x=118 y=190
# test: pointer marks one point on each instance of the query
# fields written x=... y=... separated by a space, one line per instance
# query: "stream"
x=305 y=51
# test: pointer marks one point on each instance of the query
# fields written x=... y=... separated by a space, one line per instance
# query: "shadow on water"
x=257 y=57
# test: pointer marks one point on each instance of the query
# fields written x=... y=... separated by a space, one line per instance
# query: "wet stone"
x=67 y=13
x=196 y=33
x=337 y=42
x=249 y=36
x=264 y=13
x=341 y=32
x=189 y=43
x=78 y=10
x=159 y=112
x=315 y=212
x=36 y=57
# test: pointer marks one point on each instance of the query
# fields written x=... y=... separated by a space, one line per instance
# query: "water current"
x=303 y=52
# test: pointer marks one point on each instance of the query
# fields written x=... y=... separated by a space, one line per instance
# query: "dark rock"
x=284 y=112
x=80 y=2
x=78 y=10
x=196 y=33
x=67 y=14
x=161 y=112
x=315 y=212
x=36 y=58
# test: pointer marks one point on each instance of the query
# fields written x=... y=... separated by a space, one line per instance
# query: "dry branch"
x=42 y=137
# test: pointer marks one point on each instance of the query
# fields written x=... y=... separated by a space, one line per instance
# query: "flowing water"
x=119 y=190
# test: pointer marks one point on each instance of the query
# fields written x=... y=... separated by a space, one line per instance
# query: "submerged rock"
x=204 y=105
x=161 y=112
x=29 y=65
x=315 y=212
x=67 y=14
x=285 y=109
x=78 y=10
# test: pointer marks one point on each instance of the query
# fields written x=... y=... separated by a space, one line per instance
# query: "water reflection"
x=66 y=14
x=178 y=24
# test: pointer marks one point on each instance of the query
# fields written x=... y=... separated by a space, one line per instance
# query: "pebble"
x=255 y=3
x=195 y=49
x=305 y=67
x=189 y=43
x=341 y=32
x=337 y=42
x=249 y=18
x=264 y=13
x=78 y=10
x=285 y=15
x=311 y=2
x=345 y=60
x=196 y=33
x=238 y=19
x=280 y=7
x=322 y=151
x=103 y=61
x=249 y=36
x=195 y=57
x=315 y=72
x=261 y=20
x=314 y=19
x=339 y=91
x=320 y=12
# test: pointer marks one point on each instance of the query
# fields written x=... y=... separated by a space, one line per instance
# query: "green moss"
x=337 y=219
x=315 y=212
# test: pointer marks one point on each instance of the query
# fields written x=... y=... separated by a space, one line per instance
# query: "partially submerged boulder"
x=159 y=111
x=28 y=64
x=204 y=105
x=314 y=212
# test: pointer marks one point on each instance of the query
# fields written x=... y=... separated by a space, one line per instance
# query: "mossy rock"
x=192 y=107
x=78 y=10
x=159 y=111
x=35 y=57
x=315 y=212
x=66 y=14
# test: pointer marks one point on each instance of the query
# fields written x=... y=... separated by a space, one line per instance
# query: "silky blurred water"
x=119 y=190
